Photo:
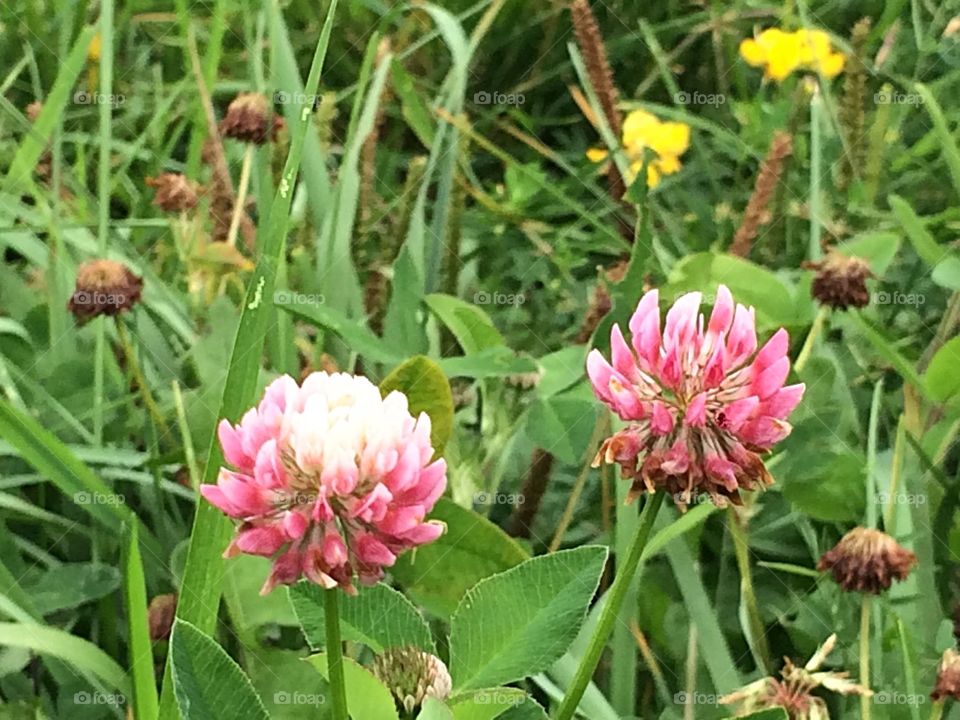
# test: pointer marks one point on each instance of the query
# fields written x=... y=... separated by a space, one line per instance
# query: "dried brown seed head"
x=160 y=616
x=867 y=560
x=841 y=281
x=948 y=676
x=104 y=287
x=175 y=193
x=249 y=119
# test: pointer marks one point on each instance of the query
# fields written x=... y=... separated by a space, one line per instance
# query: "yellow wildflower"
x=93 y=49
x=668 y=141
x=780 y=53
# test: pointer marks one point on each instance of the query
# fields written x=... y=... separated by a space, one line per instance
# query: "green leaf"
x=947 y=273
x=434 y=709
x=70 y=585
x=520 y=621
x=243 y=578
x=427 y=390
x=562 y=425
x=750 y=284
x=768 y=714
x=367 y=698
x=378 y=616
x=470 y=325
x=927 y=248
x=496 y=361
x=529 y=709
x=83 y=655
x=942 y=377
x=827 y=482
x=403 y=327
x=207 y=682
x=439 y=574
x=485 y=704
x=145 y=701
x=287 y=685
x=413 y=108
x=878 y=248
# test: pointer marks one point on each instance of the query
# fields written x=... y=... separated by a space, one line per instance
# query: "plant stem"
x=136 y=373
x=808 y=344
x=611 y=609
x=742 y=550
x=335 y=655
x=241 y=194
x=936 y=712
x=865 y=701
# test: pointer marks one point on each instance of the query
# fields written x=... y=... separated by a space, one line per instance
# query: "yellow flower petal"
x=597 y=155
x=670 y=138
x=653 y=176
x=753 y=52
x=668 y=165
x=636 y=127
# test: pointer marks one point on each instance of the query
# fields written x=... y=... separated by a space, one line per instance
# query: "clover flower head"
x=700 y=400
x=781 y=53
x=329 y=479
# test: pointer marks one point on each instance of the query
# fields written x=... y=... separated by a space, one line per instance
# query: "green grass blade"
x=86 y=657
x=145 y=703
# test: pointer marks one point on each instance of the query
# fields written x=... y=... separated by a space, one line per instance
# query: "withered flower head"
x=793 y=690
x=160 y=616
x=867 y=560
x=104 y=287
x=249 y=119
x=175 y=193
x=412 y=675
x=33 y=110
x=841 y=281
x=948 y=676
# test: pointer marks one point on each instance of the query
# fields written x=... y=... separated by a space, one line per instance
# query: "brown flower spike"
x=867 y=560
x=249 y=119
x=175 y=193
x=948 y=676
x=104 y=287
x=841 y=281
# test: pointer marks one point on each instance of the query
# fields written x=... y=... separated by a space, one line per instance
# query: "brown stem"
x=534 y=487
